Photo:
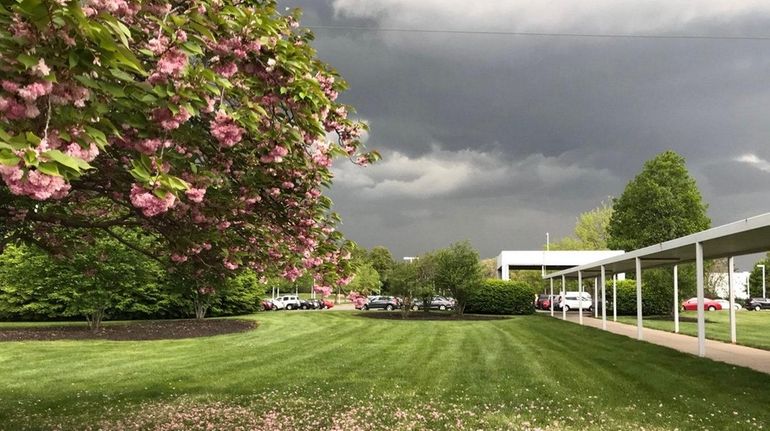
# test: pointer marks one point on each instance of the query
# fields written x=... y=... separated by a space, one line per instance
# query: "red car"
x=328 y=303
x=692 y=305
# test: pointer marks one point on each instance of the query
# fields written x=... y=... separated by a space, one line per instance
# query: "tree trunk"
x=94 y=319
x=200 y=308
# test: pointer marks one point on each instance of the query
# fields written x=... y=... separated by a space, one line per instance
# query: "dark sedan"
x=757 y=304
x=383 y=303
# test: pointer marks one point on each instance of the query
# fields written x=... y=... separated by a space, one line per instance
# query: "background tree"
x=366 y=279
x=661 y=203
x=106 y=279
x=755 y=278
x=203 y=123
x=458 y=271
x=489 y=267
x=382 y=261
x=591 y=231
x=404 y=284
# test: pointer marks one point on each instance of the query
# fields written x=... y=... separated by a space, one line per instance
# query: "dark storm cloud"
x=499 y=138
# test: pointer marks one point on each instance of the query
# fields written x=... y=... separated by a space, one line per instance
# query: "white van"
x=571 y=301
x=288 y=302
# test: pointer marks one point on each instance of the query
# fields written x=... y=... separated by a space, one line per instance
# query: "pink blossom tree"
x=207 y=124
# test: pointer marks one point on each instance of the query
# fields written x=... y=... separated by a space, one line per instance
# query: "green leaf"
x=98 y=136
x=114 y=90
x=88 y=82
x=49 y=168
x=8 y=158
x=32 y=138
x=71 y=162
x=123 y=76
x=27 y=61
x=192 y=48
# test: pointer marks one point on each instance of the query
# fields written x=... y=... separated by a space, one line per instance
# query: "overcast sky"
x=499 y=139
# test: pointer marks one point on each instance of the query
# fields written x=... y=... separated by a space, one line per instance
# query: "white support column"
x=580 y=296
x=604 y=298
x=676 y=299
x=731 y=289
x=504 y=273
x=639 y=326
x=595 y=299
x=699 y=289
x=552 y=298
x=563 y=297
x=614 y=297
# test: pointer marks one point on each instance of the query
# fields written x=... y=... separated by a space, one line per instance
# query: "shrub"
x=655 y=299
x=501 y=297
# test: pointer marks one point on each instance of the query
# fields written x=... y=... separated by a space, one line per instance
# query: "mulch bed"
x=421 y=315
x=140 y=330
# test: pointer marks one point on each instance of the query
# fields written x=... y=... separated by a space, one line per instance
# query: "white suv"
x=571 y=301
x=288 y=302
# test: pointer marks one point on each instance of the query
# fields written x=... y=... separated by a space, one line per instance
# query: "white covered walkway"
x=748 y=236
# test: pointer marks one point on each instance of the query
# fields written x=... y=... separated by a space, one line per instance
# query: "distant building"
x=719 y=282
x=541 y=260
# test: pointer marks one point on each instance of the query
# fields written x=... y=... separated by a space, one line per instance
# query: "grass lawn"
x=336 y=370
x=751 y=327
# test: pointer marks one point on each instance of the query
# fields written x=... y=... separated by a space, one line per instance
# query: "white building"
x=719 y=282
x=541 y=260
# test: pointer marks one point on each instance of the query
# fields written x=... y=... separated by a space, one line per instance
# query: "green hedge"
x=657 y=299
x=501 y=297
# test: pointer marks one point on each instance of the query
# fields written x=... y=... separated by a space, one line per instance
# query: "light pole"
x=764 y=294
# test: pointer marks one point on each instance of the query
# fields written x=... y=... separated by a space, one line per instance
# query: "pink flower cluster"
x=235 y=46
x=275 y=155
x=226 y=69
x=195 y=195
x=178 y=258
x=115 y=7
x=70 y=93
x=88 y=154
x=171 y=64
x=327 y=86
x=324 y=291
x=357 y=299
x=224 y=130
x=168 y=120
x=150 y=204
x=151 y=146
x=35 y=184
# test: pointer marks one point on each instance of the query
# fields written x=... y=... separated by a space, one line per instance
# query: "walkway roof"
x=751 y=235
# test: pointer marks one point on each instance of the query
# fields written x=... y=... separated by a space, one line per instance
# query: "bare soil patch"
x=139 y=330
x=421 y=315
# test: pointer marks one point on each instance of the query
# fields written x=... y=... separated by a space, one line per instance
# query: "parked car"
x=268 y=305
x=543 y=302
x=436 y=303
x=327 y=303
x=708 y=304
x=757 y=304
x=382 y=302
x=287 y=302
x=726 y=304
x=572 y=301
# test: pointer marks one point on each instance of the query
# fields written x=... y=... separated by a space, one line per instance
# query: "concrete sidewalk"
x=756 y=359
